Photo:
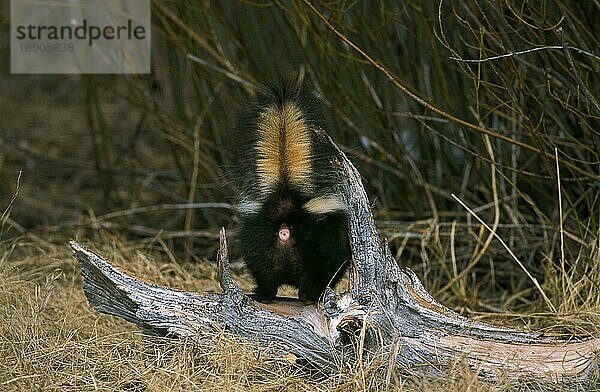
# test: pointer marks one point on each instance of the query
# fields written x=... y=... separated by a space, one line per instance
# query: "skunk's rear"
x=292 y=216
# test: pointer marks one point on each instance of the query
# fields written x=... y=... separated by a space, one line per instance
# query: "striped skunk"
x=293 y=226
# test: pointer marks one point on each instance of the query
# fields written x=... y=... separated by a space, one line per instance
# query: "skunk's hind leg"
x=266 y=288
x=309 y=290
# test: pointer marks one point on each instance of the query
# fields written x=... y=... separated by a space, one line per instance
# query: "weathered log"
x=385 y=314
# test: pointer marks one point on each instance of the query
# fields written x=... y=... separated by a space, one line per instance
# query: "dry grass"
x=50 y=339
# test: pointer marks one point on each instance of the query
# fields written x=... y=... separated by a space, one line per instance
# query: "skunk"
x=293 y=226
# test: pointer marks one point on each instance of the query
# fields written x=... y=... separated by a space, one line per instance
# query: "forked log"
x=386 y=314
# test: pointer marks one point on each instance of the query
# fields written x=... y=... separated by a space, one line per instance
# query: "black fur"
x=318 y=249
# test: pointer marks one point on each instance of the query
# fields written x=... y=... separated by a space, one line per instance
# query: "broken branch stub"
x=385 y=314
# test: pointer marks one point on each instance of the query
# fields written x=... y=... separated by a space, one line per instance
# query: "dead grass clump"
x=50 y=339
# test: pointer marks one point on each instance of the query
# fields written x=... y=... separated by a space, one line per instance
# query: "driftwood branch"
x=385 y=314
